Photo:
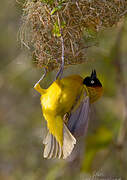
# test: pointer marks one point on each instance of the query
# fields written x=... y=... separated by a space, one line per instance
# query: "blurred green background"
x=21 y=122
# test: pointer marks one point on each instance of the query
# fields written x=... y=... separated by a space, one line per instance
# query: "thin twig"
x=78 y=8
x=22 y=36
x=72 y=48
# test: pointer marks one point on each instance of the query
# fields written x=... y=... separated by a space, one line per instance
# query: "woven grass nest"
x=45 y=21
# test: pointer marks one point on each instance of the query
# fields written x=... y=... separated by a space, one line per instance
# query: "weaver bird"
x=65 y=106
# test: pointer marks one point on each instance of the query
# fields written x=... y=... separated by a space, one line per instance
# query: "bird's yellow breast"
x=60 y=96
x=50 y=99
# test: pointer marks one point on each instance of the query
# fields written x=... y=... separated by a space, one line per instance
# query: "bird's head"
x=94 y=86
x=92 y=81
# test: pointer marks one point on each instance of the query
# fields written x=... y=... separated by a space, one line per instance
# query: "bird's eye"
x=92 y=82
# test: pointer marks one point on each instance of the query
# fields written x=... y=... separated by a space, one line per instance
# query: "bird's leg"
x=60 y=72
x=37 y=87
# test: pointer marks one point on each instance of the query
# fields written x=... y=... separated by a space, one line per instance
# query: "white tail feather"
x=54 y=150
x=68 y=142
x=47 y=141
x=51 y=149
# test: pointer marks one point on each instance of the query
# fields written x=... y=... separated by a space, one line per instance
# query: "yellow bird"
x=65 y=105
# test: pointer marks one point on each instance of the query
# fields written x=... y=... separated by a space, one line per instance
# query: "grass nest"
x=77 y=22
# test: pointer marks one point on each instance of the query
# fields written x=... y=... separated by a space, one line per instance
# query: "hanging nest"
x=45 y=21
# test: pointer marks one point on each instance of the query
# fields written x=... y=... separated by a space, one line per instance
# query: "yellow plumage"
x=60 y=99
x=57 y=100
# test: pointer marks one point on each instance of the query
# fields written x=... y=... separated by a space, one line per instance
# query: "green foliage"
x=56 y=30
x=58 y=7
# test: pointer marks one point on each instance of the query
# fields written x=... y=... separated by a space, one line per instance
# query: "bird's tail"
x=54 y=150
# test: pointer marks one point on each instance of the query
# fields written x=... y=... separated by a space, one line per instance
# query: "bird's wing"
x=78 y=120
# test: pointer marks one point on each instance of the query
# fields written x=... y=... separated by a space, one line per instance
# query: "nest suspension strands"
x=40 y=31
